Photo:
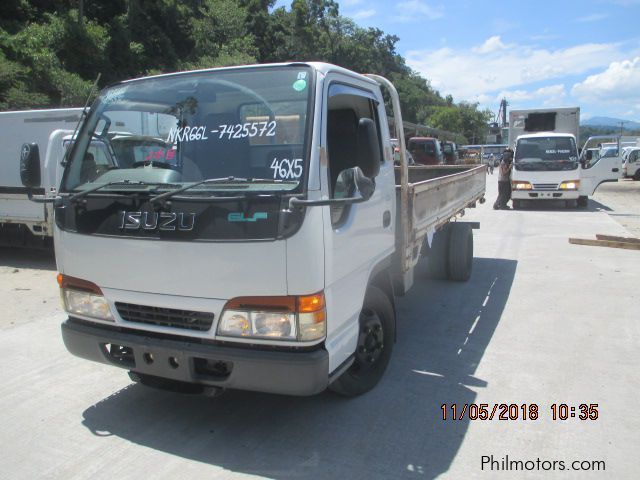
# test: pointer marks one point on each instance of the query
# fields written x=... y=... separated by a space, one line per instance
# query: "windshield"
x=171 y=131
x=546 y=153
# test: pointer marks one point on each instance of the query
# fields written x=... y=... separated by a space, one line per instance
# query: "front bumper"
x=290 y=373
x=545 y=194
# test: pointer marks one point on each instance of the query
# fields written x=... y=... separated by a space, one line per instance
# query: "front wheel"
x=636 y=176
x=583 y=201
x=375 y=344
x=517 y=204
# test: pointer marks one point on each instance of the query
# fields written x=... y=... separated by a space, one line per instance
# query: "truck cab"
x=545 y=167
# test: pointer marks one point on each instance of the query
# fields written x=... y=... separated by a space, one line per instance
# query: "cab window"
x=346 y=107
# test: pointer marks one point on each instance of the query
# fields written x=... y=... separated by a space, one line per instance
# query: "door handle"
x=614 y=169
x=386 y=219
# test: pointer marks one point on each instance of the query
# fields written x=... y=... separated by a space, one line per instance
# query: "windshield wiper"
x=171 y=193
x=86 y=192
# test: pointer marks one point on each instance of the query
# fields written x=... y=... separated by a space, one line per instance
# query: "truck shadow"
x=42 y=259
x=395 y=431
x=559 y=206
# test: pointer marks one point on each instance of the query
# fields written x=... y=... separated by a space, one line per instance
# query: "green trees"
x=51 y=52
x=464 y=118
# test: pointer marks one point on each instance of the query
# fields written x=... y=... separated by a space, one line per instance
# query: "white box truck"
x=546 y=162
x=22 y=221
x=256 y=236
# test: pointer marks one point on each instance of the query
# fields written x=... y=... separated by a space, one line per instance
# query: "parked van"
x=426 y=150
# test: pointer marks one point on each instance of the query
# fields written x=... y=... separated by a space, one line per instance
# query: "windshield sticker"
x=187 y=134
x=299 y=85
x=551 y=152
x=113 y=95
x=286 y=169
x=244 y=130
x=161 y=155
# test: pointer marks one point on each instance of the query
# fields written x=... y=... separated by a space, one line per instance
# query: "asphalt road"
x=541 y=322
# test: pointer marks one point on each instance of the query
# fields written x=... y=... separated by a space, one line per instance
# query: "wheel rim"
x=370 y=340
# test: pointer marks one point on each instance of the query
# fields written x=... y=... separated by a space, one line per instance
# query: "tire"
x=636 y=176
x=571 y=203
x=460 y=257
x=583 y=201
x=437 y=260
x=375 y=344
x=517 y=204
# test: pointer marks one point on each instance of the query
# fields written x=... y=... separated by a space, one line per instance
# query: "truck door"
x=603 y=169
x=358 y=237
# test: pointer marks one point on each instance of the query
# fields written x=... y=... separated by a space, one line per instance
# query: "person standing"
x=504 y=181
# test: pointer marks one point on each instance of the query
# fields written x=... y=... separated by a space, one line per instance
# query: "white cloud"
x=468 y=74
x=547 y=95
x=492 y=44
x=544 y=36
x=360 y=14
x=619 y=83
x=594 y=17
x=416 y=9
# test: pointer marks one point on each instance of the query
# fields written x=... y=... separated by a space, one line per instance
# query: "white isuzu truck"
x=23 y=222
x=546 y=162
x=252 y=232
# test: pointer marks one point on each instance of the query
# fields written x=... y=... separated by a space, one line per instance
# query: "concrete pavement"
x=540 y=322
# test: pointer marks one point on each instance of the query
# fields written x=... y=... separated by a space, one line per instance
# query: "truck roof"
x=543 y=110
x=545 y=134
x=320 y=67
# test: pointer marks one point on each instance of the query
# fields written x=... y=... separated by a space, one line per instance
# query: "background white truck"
x=22 y=221
x=546 y=161
x=260 y=239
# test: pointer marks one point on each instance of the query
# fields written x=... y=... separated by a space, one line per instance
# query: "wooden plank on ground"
x=613 y=238
x=605 y=243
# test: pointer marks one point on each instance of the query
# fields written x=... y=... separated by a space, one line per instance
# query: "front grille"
x=165 y=317
x=545 y=186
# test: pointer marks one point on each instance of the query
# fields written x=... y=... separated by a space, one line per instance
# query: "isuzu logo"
x=166 y=221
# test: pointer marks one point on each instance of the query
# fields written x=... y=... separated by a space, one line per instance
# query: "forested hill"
x=51 y=51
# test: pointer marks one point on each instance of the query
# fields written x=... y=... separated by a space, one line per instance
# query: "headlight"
x=300 y=318
x=257 y=324
x=570 y=185
x=521 y=185
x=83 y=298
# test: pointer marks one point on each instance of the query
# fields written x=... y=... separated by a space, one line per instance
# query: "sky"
x=538 y=53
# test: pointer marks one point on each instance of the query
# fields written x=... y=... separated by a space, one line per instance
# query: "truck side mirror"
x=353 y=181
x=30 y=165
x=352 y=186
x=368 y=148
x=364 y=184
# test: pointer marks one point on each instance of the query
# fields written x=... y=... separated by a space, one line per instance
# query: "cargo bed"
x=435 y=195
